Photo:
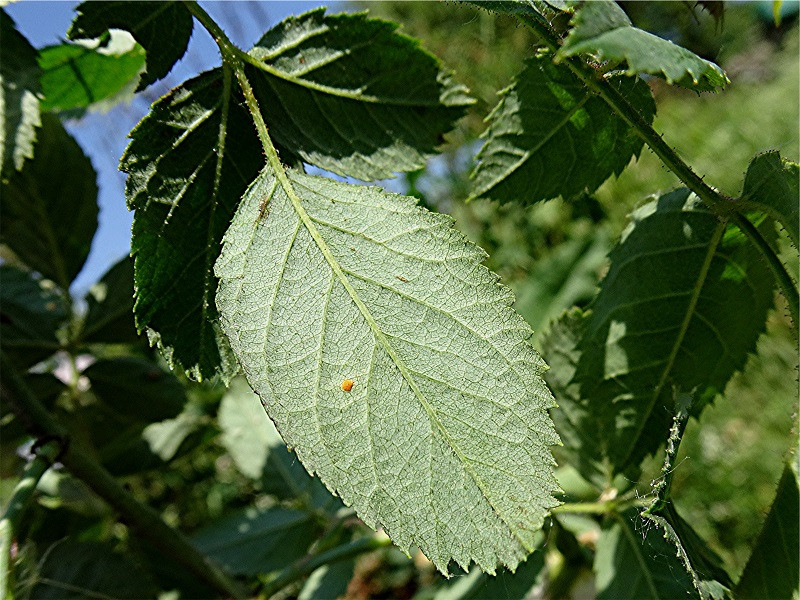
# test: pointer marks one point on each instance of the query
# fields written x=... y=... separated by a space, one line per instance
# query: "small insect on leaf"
x=347 y=385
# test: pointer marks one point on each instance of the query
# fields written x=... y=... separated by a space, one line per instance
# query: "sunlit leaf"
x=162 y=28
x=551 y=136
x=352 y=95
x=602 y=29
x=77 y=75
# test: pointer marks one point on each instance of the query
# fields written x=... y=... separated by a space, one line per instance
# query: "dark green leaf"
x=602 y=28
x=773 y=570
x=189 y=162
x=550 y=136
x=683 y=303
x=162 y=28
x=575 y=423
x=75 y=570
x=13 y=431
x=19 y=91
x=352 y=109
x=136 y=388
x=49 y=211
x=512 y=7
x=253 y=541
x=352 y=95
x=109 y=315
x=31 y=313
x=634 y=561
x=77 y=75
x=504 y=586
x=771 y=185
x=328 y=582
x=259 y=451
x=701 y=562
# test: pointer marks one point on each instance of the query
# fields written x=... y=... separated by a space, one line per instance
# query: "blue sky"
x=103 y=135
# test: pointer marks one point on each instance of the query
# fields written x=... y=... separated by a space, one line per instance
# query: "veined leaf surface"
x=683 y=303
x=602 y=28
x=443 y=438
x=184 y=183
x=342 y=80
x=551 y=136
x=352 y=95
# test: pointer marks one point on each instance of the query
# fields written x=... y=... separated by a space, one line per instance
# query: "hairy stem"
x=309 y=564
x=146 y=521
x=20 y=499
x=679 y=421
x=596 y=508
x=724 y=206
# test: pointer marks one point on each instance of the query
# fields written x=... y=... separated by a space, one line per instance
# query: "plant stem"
x=309 y=564
x=144 y=519
x=21 y=497
x=595 y=508
x=679 y=421
x=724 y=206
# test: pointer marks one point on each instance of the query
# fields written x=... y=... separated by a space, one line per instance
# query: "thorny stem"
x=679 y=421
x=146 y=521
x=725 y=206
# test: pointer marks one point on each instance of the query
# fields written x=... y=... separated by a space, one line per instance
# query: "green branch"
x=723 y=205
x=20 y=499
x=144 y=519
x=309 y=564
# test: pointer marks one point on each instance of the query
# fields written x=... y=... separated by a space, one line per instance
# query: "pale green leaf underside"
x=444 y=438
x=602 y=28
x=551 y=136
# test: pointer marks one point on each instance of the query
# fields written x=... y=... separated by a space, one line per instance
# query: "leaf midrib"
x=532 y=151
x=380 y=337
x=690 y=311
x=358 y=97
